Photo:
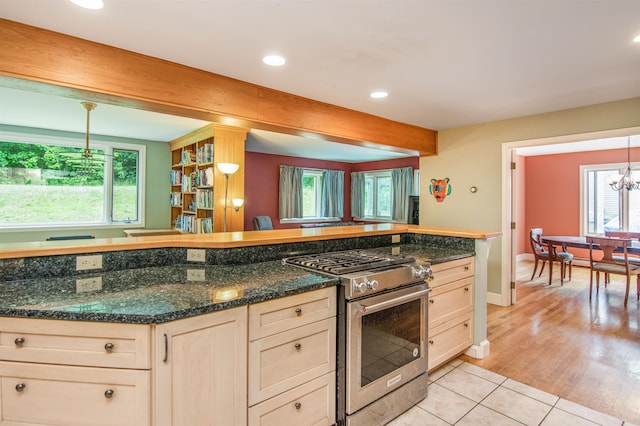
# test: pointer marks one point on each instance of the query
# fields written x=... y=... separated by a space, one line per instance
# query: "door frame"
x=509 y=236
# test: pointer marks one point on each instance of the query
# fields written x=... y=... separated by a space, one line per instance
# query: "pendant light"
x=626 y=181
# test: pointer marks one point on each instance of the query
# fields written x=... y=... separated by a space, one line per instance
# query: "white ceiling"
x=444 y=63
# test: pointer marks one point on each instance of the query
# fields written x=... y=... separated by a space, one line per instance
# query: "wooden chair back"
x=536 y=246
x=608 y=245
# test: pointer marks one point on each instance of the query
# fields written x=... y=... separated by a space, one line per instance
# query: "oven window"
x=390 y=339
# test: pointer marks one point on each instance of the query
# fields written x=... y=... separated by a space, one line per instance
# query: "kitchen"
x=458 y=152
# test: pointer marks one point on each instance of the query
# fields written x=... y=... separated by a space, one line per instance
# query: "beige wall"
x=472 y=156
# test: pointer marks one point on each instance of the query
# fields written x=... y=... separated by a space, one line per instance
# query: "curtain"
x=357 y=194
x=290 y=192
x=332 y=194
x=402 y=184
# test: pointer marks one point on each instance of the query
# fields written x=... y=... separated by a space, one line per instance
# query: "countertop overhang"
x=228 y=239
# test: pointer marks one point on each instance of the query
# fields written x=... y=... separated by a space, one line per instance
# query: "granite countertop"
x=156 y=294
x=166 y=293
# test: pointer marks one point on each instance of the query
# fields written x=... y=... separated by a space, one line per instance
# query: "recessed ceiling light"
x=637 y=38
x=274 y=60
x=379 y=95
x=89 y=4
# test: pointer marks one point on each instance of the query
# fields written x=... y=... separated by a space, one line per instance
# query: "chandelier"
x=626 y=181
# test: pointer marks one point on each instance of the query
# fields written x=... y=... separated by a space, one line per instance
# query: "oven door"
x=385 y=343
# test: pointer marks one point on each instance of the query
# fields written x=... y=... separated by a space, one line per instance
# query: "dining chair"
x=541 y=253
x=610 y=264
x=633 y=259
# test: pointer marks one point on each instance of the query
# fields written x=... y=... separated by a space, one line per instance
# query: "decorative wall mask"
x=440 y=188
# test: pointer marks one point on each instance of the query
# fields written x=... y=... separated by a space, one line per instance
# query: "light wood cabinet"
x=200 y=370
x=59 y=367
x=450 y=323
x=198 y=188
x=292 y=356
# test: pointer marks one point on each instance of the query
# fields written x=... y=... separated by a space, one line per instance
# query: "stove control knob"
x=372 y=284
x=422 y=272
x=359 y=287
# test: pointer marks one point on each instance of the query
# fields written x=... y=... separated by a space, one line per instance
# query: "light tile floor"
x=464 y=394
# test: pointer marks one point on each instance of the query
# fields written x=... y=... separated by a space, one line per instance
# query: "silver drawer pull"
x=19 y=341
x=298 y=311
x=108 y=393
x=466 y=289
x=466 y=324
x=109 y=347
x=431 y=342
x=297 y=405
x=431 y=301
x=298 y=346
x=466 y=267
x=20 y=387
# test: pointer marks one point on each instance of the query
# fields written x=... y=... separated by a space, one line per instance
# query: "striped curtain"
x=332 y=194
x=357 y=194
x=290 y=192
x=402 y=184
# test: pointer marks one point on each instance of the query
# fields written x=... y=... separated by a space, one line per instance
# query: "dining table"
x=565 y=241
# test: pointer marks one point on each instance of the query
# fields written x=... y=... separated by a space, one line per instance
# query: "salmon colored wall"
x=520 y=214
x=262 y=175
x=552 y=190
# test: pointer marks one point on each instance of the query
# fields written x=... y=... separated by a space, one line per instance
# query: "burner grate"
x=345 y=262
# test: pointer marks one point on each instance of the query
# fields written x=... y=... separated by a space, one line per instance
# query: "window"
x=43 y=183
x=311 y=193
x=605 y=209
x=377 y=195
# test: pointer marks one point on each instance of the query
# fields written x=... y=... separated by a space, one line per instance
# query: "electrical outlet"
x=395 y=239
x=195 y=274
x=84 y=263
x=395 y=251
x=88 y=284
x=196 y=255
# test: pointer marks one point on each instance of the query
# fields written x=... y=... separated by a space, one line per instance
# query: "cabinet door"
x=444 y=273
x=201 y=370
x=449 y=339
x=42 y=394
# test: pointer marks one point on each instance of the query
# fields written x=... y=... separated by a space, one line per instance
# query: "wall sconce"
x=227 y=169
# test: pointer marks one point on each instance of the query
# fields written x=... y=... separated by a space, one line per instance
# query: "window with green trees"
x=51 y=184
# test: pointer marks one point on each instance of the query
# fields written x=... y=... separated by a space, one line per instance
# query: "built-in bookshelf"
x=197 y=187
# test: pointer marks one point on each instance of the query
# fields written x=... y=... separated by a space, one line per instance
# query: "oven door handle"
x=416 y=293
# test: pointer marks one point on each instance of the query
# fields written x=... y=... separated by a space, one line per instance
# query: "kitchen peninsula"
x=157 y=304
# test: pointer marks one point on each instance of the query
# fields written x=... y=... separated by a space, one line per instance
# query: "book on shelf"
x=205 y=153
x=204 y=198
x=189 y=182
x=204 y=225
x=204 y=177
x=188 y=156
x=176 y=177
x=176 y=199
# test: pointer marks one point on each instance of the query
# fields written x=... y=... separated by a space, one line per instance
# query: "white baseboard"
x=495 y=299
x=479 y=351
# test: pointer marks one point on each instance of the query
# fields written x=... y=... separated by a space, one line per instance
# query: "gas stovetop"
x=346 y=262
x=364 y=273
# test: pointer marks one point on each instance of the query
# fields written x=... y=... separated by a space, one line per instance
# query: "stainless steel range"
x=382 y=328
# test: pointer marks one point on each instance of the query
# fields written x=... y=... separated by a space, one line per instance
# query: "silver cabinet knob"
x=466 y=289
x=298 y=346
x=298 y=311
x=20 y=387
x=431 y=342
x=431 y=301
x=109 y=347
x=108 y=393
x=297 y=405
x=19 y=341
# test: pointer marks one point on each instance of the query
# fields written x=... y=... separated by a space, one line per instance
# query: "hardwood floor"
x=555 y=340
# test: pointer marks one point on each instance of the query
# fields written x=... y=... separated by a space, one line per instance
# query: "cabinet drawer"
x=449 y=301
x=312 y=403
x=275 y=316
x=280 y=362
x=75 y=343
x=455 y=270
x=449 y=339
x=70 y=396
